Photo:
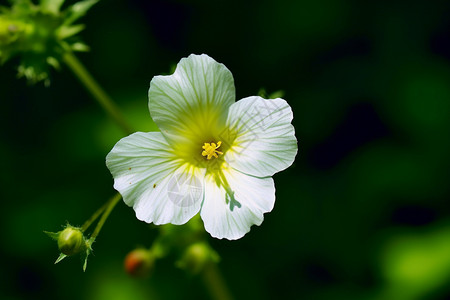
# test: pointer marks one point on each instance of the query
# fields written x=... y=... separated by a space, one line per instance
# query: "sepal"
x=71 y=241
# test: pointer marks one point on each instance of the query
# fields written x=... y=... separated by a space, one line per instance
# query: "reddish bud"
x=139 y=262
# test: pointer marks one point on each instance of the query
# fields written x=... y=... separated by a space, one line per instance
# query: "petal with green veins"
x=152 y=179
x=232 y=207
x=192 y=103
x=265 y=142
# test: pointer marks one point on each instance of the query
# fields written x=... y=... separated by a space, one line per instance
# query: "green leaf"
x=51 y=6
x=78 y=10
x=64 y=32
x=81 y=47
x=52 y=61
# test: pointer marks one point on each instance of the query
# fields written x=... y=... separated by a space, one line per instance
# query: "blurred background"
x=362 y=214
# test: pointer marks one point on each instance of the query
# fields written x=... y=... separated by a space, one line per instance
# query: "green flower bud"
x=196 y=256
x=139 y=262
x=71 y=241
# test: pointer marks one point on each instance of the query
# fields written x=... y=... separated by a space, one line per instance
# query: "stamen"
x=210 y=150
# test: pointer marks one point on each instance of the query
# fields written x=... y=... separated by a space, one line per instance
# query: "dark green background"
x=362 y=214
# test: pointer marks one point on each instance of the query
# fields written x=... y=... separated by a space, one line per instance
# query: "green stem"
x=215 y=282
x=94 y=217
x=109 y=207
x=97 y=92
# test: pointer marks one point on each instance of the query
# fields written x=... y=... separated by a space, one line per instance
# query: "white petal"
x=231 y=218
x=152 y=180
x=265 y=140
x=191 y=104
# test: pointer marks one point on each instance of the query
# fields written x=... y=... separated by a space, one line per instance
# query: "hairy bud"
x=71 y=241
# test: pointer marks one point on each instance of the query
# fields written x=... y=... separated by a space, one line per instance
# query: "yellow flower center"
x=210 y=150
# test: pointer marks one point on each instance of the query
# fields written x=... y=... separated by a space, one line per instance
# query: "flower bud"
x=71 y=241
x=40 y=34
x=139 y=262
x=196 y=256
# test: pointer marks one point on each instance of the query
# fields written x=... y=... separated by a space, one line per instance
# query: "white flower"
x=213 y=155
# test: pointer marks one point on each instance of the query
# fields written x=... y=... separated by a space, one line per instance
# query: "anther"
x=210 y=150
